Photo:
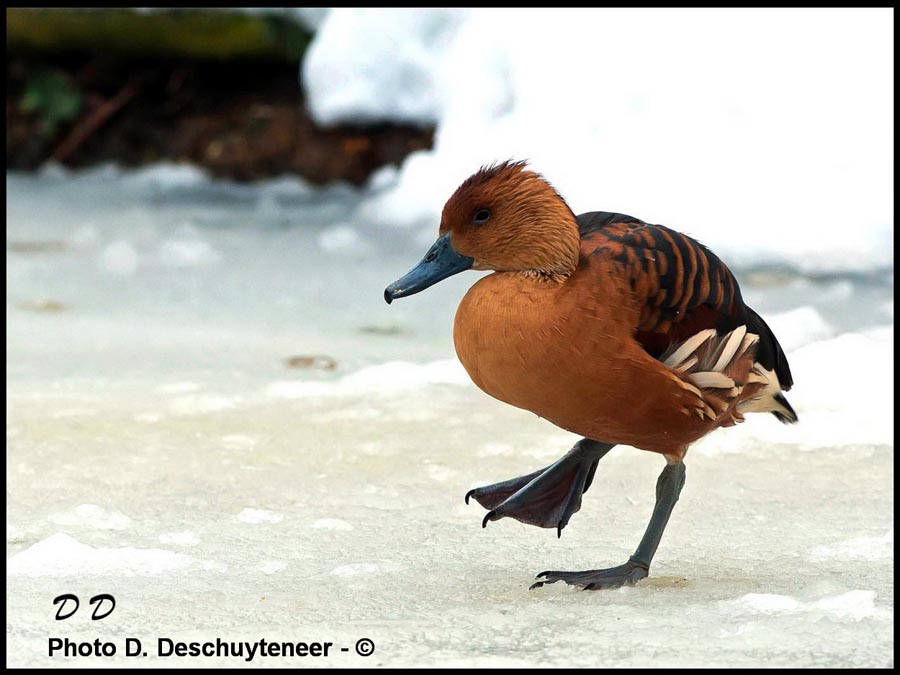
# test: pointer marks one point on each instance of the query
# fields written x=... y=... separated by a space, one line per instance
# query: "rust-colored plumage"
x=580 y=345
x=536 y=233
x=612 y=328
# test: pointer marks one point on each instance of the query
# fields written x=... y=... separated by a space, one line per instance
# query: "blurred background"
x=208 y=396
x=216 y=89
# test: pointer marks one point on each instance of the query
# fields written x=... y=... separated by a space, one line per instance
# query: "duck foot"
x=668 y=488
x=595 y=580
x=548 y=497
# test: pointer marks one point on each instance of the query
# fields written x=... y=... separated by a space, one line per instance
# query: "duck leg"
x=668 y=487
x=548 y=497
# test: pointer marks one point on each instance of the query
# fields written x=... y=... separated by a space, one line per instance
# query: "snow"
x=120 y=257
x=199 y=403
x=859 y=548
x=91 y=515
x=13 y=534
x=256 y=516
x=767 y=603
x=60 y=555
x=185 y=538
x=186 y=253
x=366 y=569
x=394 y=376
x=799 y=327
x=390 y=79
x=272 y=566
x=332 y=524
x=161 y=177
x=240 y=441
x=340 y=238
x=160 y=449
x=853 y=605
x=178 y=387
x=745 y=128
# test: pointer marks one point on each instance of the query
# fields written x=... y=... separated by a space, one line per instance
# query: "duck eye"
x=481 y=216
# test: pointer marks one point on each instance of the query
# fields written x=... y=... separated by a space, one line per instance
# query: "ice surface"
x=91 y=515
x=256 y=516
x=179 y=538
x=160 y=448
x=862 y=548
x=272 y=566
x=119 y=257
x=186 y=253
x=62 y=556
x=340 y=239
x=332 y=524
x=853 y=605
x=388 y=377
x=741 y=127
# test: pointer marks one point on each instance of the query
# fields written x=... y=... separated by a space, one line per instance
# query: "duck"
x=620 y=331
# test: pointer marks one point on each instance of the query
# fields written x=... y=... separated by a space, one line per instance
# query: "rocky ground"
x=241 y=119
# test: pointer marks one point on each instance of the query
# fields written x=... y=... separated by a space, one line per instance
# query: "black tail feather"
x=769 y=353
x=791 y=415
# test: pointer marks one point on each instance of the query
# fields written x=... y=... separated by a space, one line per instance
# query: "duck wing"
x=682 y=287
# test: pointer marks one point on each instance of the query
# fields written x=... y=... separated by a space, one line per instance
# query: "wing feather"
x=682 y=287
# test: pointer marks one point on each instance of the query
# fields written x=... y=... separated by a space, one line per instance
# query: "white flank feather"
x=711 y=380
x=687 y=364
x=689 y=347
x=737 y=335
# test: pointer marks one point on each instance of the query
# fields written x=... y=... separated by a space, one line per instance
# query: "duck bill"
x=440 y=262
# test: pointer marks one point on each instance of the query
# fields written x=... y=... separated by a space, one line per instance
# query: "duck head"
x=504 y=218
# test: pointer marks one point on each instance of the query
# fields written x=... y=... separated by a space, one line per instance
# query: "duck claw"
x=491 y=496
x=539 y=584
x=595 y=580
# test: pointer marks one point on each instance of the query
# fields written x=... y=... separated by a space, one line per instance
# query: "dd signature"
x=99 y=602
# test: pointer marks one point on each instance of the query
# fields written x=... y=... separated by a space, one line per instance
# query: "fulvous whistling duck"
x=607 y=326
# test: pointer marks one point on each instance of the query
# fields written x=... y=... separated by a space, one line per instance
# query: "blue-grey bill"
x=440 y=262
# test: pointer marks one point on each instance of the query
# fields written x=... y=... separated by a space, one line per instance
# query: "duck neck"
x=544 y=276
x=555 y=256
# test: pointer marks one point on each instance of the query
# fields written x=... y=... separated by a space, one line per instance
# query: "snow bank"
x=799 y=327
x=767 y=134
x=845 y=388
x=393 y=77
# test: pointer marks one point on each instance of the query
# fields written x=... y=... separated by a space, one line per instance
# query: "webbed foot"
x=594 y=580
x=548 y=497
